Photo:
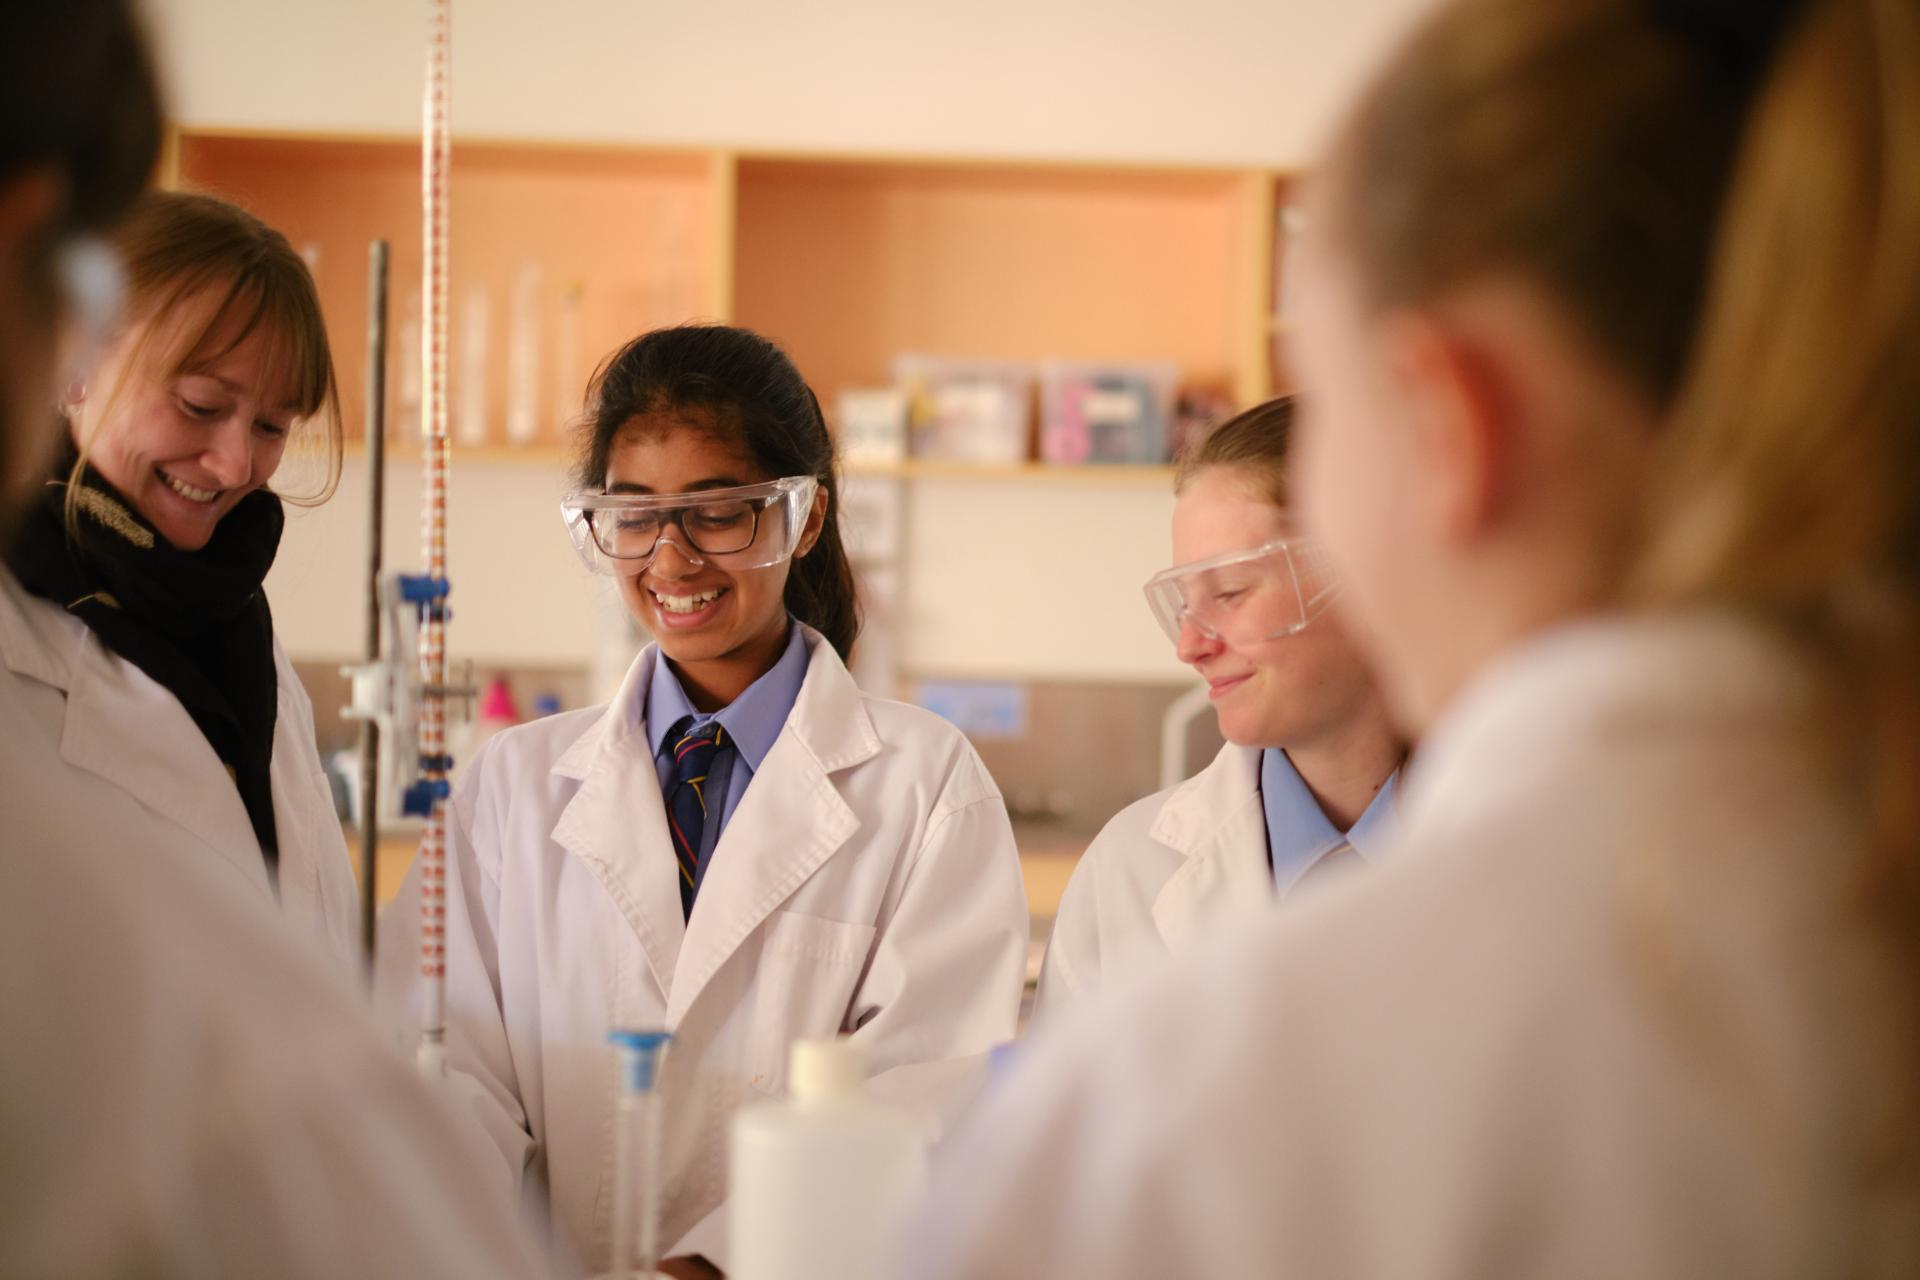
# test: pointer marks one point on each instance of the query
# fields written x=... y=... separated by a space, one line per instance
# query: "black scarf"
x=197 y=622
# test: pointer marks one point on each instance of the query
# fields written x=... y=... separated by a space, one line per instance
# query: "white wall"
x=520 y=596
x=1038 y=580
x=1229 y=81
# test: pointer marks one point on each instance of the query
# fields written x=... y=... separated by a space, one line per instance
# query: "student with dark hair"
x=741 y=848
x=1304 y=785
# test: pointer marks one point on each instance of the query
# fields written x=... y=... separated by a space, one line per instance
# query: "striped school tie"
x=693 y=759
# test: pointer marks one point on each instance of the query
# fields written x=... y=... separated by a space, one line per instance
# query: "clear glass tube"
x=636 y=1155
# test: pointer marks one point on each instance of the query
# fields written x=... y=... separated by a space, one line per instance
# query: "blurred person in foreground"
x=1610 y=358
x=184 y=1090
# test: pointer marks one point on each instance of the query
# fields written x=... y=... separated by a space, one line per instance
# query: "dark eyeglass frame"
x=584 y=512
x=677 y=517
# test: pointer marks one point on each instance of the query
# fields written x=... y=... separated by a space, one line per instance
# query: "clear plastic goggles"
x=1244 y=597
x=750 y=527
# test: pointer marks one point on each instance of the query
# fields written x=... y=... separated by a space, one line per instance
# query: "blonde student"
x=1610 y=342
x=1304 y=786
x=143 y=561
x=741 y=847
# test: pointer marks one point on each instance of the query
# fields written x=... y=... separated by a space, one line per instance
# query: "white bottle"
x=823 y=1182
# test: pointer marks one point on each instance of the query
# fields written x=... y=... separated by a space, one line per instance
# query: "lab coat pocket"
x=809 y=967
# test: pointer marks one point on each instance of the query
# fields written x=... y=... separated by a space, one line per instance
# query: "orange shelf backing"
x=635 y=230
x=849 y=263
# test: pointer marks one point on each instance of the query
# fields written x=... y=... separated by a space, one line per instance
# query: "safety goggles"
x=750 y=527
x=1244 y=597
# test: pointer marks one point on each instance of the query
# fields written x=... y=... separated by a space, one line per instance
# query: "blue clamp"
x=419 y=588
x=420 y=798
x=437 y=764
x=427 y=592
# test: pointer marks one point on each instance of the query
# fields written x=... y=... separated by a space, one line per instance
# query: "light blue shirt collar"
x=1298 y=833
x=753 y=720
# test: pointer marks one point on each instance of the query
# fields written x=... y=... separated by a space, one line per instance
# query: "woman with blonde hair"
x=145 y=557
x=1636 y=992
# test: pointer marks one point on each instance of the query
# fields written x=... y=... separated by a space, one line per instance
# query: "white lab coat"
x=123 y=726
x=867 y=883
x=1177 y=866
x=185 y=1091
x=1608 y=1009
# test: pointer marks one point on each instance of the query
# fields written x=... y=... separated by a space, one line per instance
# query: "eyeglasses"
x=1243 y=597
x=750 y=527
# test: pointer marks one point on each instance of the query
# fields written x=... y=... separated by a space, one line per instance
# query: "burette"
x=402 y=689
x=435 y=764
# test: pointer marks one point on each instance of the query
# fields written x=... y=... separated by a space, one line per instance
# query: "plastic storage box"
x=1106 y=412
x=967 y=410
x=872 y=423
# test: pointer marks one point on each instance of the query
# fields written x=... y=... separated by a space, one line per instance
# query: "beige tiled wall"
x=1090 y=750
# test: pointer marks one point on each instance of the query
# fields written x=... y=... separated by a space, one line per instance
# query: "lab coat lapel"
x=304 y=820
x=1215 y=819
x=790 y=821
x=130 y=731
x=616 y=823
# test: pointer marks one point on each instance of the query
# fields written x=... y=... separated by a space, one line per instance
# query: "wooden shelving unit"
x=847 y=261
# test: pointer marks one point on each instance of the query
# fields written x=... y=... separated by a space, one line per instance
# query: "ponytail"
x=1791 y=482
x=820 y=587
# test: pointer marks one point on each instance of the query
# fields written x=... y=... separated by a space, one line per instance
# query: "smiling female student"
x=742 y=847
x=1305 y=782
